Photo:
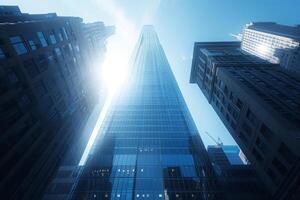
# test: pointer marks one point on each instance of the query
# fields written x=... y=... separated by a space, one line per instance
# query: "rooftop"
x=277 y=29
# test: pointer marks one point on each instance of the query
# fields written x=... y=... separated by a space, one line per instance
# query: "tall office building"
x=259 y=104
x=44 y=98
x=278 y=44
x=148 y=146
x=236 y=181
x=209 y=56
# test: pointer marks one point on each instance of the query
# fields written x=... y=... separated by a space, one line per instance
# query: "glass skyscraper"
x=148 y=146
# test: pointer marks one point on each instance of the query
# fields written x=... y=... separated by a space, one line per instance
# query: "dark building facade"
x=148 y=146
x=259 y=105
x=267 y=124
x=209 y=56
x=44 y=101
x=238 y=182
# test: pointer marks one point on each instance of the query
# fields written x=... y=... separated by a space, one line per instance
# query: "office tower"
x=209 y=56
x=259 y=105
x=273 y=42
x=238 y=182
x=44 y=100
x=148 y=146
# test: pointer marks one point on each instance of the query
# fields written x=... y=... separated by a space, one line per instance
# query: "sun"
x=114 y=69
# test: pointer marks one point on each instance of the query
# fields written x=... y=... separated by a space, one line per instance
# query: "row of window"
x=22 y=44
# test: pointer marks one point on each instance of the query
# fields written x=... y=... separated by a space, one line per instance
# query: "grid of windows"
x=149 y=146
x=266 y=45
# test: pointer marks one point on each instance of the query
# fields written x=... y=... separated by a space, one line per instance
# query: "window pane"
x=42 y=39
x=18 y=45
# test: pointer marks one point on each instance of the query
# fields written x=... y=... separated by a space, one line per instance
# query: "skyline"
x=190 y=20
x=152 y=99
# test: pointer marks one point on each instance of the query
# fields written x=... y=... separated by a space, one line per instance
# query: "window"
x=33 y=41
x=31 y=68
x=57 y=52
x=52 y=38
x=32 y=45
x=60 y=37
x=42 y=39
x=18 y=45
x=64 y=32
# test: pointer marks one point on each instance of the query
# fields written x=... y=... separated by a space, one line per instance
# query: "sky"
x=179 y=23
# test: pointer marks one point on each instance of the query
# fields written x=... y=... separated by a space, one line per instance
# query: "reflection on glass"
x=149 y=147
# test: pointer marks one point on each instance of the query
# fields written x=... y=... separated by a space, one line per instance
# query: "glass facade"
x=148 y=146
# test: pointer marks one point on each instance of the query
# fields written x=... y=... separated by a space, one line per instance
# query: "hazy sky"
x=179 y=24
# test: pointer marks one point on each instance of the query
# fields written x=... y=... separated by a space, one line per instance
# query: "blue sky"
x=179 y=24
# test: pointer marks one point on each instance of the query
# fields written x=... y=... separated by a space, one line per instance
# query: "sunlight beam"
x=96 y=129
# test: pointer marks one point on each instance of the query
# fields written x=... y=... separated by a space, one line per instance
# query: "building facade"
x=278 y=44
x=209 y=56
x=44 y=101
x=148 y=146
x=259 y=105
x=267 y=122
x=236 y=181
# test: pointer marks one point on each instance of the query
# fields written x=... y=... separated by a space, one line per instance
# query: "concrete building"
x=260 y=108
x=259 y=104
x=276 y=43
x=209 y=56
x=44 y=99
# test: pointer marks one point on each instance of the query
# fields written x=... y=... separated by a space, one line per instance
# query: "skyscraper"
x=276 y=43
x=44 y=97
x=148 y=146
x=259 y=105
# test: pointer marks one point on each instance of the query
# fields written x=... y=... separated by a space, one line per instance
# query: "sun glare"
x=114 y=69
